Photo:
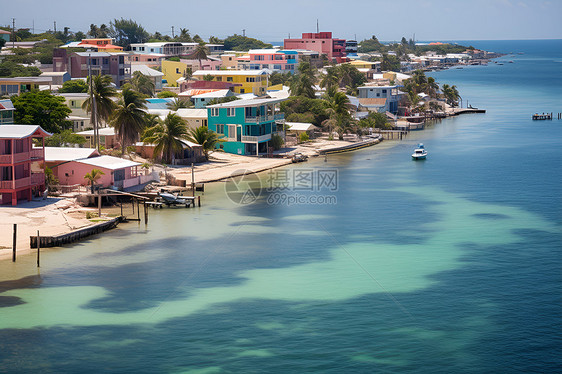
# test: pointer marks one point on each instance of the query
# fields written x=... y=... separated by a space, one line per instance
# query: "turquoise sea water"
x=447 y=265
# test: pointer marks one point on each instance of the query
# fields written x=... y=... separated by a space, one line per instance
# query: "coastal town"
x=118 y=112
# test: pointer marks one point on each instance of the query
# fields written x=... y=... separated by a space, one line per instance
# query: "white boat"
x=419 y=153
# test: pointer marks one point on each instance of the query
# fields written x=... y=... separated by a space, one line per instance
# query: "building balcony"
x=268 y=118
x=16 y=157
x=15 y=184
x=256 y=139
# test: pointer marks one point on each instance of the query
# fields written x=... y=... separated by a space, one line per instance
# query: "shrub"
x=303 y=137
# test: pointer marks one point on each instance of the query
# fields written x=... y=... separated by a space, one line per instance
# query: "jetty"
x=71 y=237
x=374 y=139
x=543 y=116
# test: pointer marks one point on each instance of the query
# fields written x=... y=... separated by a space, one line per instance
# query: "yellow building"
x=363 y=64
x=174 y=70
x=252 y=81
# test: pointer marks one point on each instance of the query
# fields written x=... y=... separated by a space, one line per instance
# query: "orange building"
x=102 y=44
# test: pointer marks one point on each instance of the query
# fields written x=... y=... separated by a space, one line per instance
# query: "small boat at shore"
x=419 y=153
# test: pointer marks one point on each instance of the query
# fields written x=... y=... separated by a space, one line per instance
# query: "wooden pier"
x=71 y=237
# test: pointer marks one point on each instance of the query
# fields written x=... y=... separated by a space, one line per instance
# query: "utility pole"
x=93 y=103
x=55 y=26
x=317 y=27
x=173 y=32
x=33 y=26
x=13 y=32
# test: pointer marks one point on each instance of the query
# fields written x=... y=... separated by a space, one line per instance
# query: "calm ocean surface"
x=452 y=265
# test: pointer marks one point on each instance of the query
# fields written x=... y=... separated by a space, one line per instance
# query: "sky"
x=274 y=20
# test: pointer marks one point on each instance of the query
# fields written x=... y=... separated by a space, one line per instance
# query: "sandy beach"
x=52 y=216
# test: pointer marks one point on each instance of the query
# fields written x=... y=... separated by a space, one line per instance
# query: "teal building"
x=246 y=126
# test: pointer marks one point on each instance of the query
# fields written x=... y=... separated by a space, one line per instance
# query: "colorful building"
x=119 y=173
x=168 y=49
x=387 y=97
x=174 y=70
x=101 y=45
x=283 y=61
x=18 y=85
x=153 y=60
x=22 y=167
x=246 y=125
x=251 y=81
x=102 y=63
x=321 y=42
x=6 y=112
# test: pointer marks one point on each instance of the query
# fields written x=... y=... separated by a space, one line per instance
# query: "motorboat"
x=419 y=153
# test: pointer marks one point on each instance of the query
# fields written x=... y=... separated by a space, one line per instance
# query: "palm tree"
x=431 y=87
x=93 y=176
x=129 y=117
x=103 y=92
x=340 y=103
x=166 y=136
x=178 y=104
x=303 y=82
x=200 y=53
x=143 y=84
x=330 y=79
x=205 y=137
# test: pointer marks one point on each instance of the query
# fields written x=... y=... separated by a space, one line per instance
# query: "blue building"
x=246 y=125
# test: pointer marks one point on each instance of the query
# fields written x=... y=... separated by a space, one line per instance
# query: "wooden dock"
x=71 y=237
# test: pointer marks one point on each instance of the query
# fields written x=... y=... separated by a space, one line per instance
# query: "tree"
x=143 y=83
x=208 y=77
x=166 y=136
x=215 y=40
x=93 y=176
x=74 y=86
x=127 y=32
x=390 y=63
x=103 y=92
x=129 y=117
x=205 y=137
x=43 y=109
x=303 y=82
x=200 y=53
x=64 y=138
x=184 y=36
x=179 y=104
x=330 y=79
x=166 y=94
x=13 y=69
x=371 y=45
x=197 y=39
x=243 y=43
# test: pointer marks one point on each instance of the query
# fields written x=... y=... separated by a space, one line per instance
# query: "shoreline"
x=59 y=216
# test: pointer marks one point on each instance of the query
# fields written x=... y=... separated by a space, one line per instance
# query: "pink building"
x=22 y=168
x=321 y=42
x=118 y=173
x=151 y=60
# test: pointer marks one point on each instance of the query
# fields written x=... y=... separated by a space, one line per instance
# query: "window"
x=214 y=112
x=220 y=129
x=178 y=71
x=229 y=79
x=219 y=79
x=231 y=132
x=242 y=90
x=230 y=112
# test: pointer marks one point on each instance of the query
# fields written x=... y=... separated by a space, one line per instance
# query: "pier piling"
x=14 y=242
x=38 y=248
